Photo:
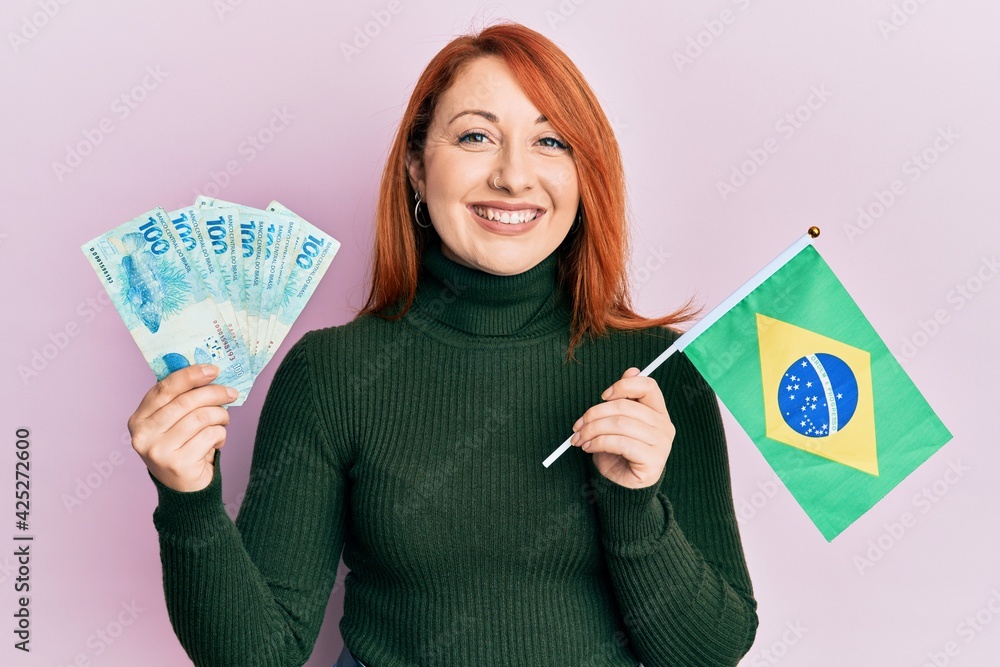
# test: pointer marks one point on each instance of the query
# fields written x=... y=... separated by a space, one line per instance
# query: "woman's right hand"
x=179 y=424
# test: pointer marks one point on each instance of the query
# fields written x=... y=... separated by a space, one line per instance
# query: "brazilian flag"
x=805 y=374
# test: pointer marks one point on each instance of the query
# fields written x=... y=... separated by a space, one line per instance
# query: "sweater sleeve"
x=673 y=549
x=254 y=592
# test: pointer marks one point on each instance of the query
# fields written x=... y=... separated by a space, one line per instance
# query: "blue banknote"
x=216 y=282
x=312 y=251
x=160 y=296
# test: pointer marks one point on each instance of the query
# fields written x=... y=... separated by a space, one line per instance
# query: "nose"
x=514 y=169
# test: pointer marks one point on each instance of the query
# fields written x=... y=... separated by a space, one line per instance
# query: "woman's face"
x=485 y=127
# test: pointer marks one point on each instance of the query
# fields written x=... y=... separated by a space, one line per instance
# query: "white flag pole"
x=713 y=316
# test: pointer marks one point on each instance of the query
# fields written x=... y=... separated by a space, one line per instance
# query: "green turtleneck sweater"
x=416 y=446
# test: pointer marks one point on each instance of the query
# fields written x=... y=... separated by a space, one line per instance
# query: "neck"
x=458 y=301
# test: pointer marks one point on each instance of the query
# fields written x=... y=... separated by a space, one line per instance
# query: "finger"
x=203 y=445
x=190 y=453
x=618 y=424
x=641 y=388
x=211 y=394
x=638 y=455
x=633 y=409
x=155 y=445
x=192 y=423
x=171 y=386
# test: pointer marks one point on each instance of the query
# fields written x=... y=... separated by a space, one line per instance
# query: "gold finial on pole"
x=814 y=231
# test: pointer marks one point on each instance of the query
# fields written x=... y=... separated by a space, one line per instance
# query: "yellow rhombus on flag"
x=839 y=380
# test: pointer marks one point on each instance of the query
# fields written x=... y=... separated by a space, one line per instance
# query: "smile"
x=506 y=217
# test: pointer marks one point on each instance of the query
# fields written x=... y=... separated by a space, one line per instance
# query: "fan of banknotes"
x=216 y=283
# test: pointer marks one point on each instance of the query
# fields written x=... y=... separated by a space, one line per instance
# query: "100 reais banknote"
x=216 y=283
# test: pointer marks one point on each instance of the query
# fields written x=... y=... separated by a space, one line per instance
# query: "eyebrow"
x=492 y=117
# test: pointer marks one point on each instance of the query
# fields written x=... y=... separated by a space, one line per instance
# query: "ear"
x=415 y=169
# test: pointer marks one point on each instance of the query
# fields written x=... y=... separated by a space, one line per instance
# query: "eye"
x=473 y=137
x=555 y=143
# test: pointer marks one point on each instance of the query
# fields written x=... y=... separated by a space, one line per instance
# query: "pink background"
x=888 y=88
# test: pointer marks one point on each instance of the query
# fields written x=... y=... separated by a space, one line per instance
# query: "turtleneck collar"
x=457 y=302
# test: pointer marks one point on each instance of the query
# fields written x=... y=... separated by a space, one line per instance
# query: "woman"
x=412 y=437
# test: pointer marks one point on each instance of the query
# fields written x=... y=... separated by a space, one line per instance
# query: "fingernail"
x=578 y=424
x=209 y=370
x=575 y=438
x=232 y=393
x=607 y=392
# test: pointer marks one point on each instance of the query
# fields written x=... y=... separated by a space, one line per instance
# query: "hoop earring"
x=577 y=221
x=416 y=212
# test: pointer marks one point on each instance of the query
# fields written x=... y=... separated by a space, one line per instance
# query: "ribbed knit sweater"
x=416 y=446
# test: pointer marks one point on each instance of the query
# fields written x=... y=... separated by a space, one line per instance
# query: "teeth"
x=506 y=217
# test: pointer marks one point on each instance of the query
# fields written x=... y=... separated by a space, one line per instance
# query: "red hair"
x=592 y=259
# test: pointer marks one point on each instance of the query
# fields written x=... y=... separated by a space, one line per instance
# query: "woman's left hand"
x=630 y=434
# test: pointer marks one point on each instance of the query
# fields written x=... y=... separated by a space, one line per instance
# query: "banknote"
x=161 y=298
x=312 y=253
x=220 y=225
x=206 y=246
x=253 y=224
x=216 y=282
x=282 y=230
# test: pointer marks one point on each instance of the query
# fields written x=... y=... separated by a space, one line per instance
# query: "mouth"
x=505 y=216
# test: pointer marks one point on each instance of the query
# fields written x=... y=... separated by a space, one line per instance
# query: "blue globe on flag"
x=818 y=395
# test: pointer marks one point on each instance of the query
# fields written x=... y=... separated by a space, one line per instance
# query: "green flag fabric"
x=805 y=374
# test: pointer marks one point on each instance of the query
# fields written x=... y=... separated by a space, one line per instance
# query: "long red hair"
x=592 y=259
